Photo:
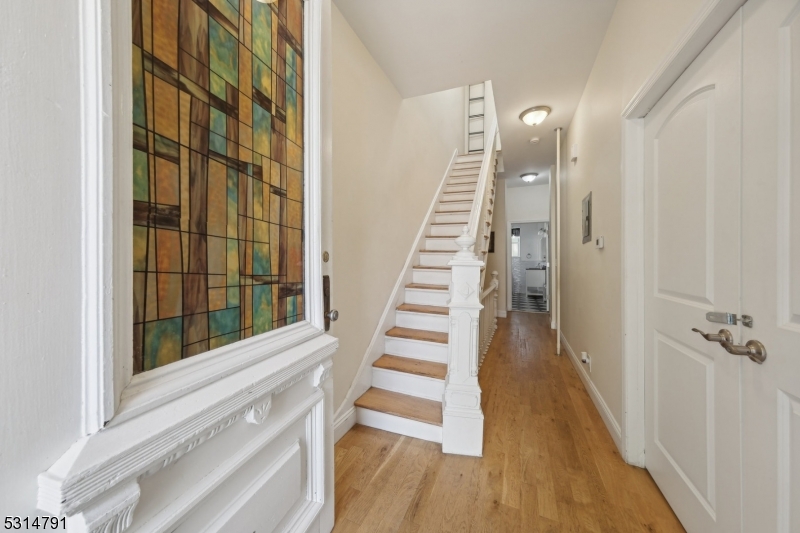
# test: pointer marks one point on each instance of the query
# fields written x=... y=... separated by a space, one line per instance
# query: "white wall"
x=389 y=156
x=530 y=241
x=639 y=36
x=40 y=226
x=526 y=204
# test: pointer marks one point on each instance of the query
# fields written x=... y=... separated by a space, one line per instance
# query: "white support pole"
x=558 y=241
x=462 y=428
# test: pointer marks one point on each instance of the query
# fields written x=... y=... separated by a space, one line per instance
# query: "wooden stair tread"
x=454 y=201
x=402 y=405
x=448 y=223
x=428 y=309
x=426 y=267
x=427 y=286
x=451 y=212
x=451 y=237
x=407 y=365
x=451 y=252
x=418 y=335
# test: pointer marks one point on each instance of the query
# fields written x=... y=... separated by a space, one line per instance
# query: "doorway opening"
x=530 y=267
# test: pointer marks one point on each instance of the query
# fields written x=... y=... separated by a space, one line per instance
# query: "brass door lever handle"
x=723 y=336
x=752 y=349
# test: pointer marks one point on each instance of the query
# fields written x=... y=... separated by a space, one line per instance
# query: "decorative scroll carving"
x=259 y=412
x=111 y=514
x=322 y=372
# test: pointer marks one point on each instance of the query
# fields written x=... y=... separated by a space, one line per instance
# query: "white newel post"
x=463 y=418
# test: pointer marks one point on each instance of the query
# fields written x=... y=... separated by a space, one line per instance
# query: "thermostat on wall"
x=599 y=242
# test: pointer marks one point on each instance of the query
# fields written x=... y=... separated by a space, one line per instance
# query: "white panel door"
x=692 y=266
x=771 y=265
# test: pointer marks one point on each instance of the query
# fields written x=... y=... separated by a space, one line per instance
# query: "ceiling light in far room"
x=528 y=178
x=267 y=1
x=535 y=140
x=535 y=115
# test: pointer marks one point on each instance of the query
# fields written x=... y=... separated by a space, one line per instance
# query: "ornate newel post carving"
x=463 y=418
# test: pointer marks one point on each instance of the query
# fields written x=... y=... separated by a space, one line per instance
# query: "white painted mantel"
x=236 y=439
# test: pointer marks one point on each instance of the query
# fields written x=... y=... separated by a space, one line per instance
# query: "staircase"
x=408 y=381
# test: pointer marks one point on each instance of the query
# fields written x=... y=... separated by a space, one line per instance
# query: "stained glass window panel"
x=217 y=174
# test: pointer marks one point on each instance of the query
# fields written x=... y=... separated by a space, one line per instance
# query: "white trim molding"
x=710 y=18
x=97 y=202
x=602 y=407
x=344 y=423
x=144 y=445
x=633 y=291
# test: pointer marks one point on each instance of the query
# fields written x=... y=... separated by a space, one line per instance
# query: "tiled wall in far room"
x=218 y=174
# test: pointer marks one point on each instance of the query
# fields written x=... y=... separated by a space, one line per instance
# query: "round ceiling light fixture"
x=267 y=1
x=529 y=177
x=535 y=140
x=535 y=115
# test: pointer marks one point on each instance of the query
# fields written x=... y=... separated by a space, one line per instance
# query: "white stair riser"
x=463 y=196
x=399 y=425
x=423 y=321
x=430 y=277
x=465 y=172
x=453 y=230
x=442 y=244
x=468 y=164
x=455 y=206
x=409 y=384
x=422 y=350
x=463 y=181
x=444 y=218
x=434 y=259
x=426 y=297
x=469 y=158
x=461 y=188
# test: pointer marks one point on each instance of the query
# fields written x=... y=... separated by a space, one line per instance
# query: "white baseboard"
x=605 y=413
x=502 y=313
x=344 y=423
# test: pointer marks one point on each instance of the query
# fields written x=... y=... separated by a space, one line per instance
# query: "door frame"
x=113 y=399
x=509 y=281
x=708 y=21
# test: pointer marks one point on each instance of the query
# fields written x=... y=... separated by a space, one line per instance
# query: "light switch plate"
x=599 y=242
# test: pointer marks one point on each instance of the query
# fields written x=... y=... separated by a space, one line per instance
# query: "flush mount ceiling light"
x=535 y=115
x=527 y=178
x=267 y=1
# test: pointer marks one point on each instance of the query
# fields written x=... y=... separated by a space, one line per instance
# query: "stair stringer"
x=363 y=380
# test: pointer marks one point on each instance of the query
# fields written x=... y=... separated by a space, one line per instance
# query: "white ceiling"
x=536 y=52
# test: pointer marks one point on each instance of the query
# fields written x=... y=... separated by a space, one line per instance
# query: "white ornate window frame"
x=126 y=433
x=111 y=394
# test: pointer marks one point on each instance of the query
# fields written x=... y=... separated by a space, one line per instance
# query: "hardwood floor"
x=549 y=463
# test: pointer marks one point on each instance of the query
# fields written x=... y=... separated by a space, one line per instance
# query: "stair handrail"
x=487 y=164
x=492 y=286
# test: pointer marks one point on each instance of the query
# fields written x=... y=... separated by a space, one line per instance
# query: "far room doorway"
x=530 y=273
